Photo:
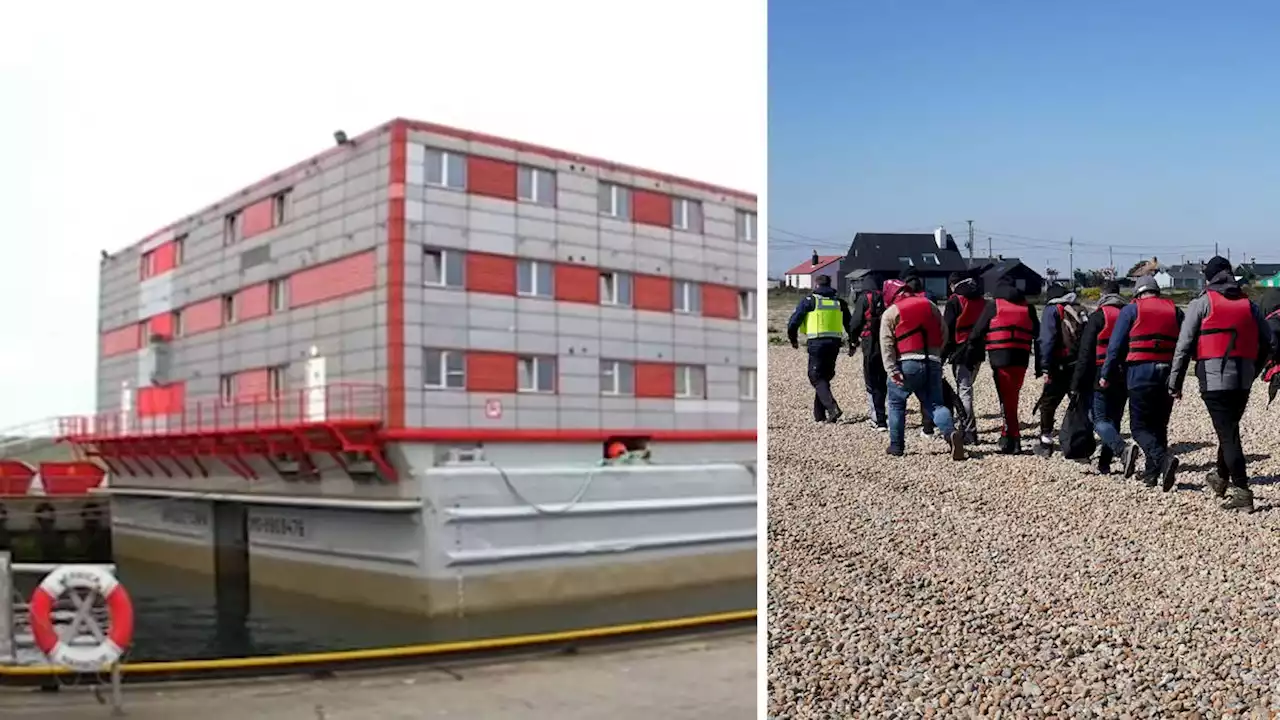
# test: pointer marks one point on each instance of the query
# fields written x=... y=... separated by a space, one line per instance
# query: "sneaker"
x=1129 y=460
x=1104 y=468
x=926 y=433
x=1150 y=480
x=871 y=422
x=895 y=451
x=834 y=417
x=971 y=437
x=1010 y=446
x=1043 y=449
x=1169 y=472
x=1216 y=483
x=1238 y=498
x=882 y=428
x=957 y=446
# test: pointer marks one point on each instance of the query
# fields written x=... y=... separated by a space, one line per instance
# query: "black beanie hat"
x=1217 y=264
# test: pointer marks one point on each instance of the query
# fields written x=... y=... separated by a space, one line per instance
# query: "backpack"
x=1071 y=322
x=1076 y=436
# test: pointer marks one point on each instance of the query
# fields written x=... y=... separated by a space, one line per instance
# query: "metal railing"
x=334 y=402
x=17 y=646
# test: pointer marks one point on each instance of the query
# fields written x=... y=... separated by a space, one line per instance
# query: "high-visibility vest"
x=1229 y=330
x=918 y=326
x=1155 y=331
x=1011 y=327
x=825 y=320
x=970 y=310
x=1109 y=315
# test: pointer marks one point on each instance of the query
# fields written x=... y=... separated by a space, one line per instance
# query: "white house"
x=802 y=275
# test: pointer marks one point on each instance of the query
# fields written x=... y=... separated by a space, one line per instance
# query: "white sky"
x=117 y=118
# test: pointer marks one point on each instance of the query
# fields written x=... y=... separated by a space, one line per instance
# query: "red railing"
x=335 y=403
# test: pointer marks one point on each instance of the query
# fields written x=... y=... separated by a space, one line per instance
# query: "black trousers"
x=1226 y=408
x=823 y=355
x=875 y=379
x=1150 y=407
x=1052 y=395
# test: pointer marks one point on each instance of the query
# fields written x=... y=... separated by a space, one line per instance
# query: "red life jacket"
x=970 y=309
x=1010 y=329
x=1273 y=365
x=1229 y=330
x=1155 y=331
x=1109 y=315
x=867 y=313
x=918 y=326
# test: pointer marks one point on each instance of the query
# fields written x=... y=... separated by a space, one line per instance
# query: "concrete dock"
x=707 y=678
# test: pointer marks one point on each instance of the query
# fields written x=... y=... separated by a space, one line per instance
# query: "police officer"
x=1229 y=338
x=867 y=308
x=1143 y=341
x=826 y=319
x=1106 y=406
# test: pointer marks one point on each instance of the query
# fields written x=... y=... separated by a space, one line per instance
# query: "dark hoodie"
x=867 y=297
x=1216 y=375
x=1270 y=306
x=975 y=348
x=1082 y=380
x=969 y=289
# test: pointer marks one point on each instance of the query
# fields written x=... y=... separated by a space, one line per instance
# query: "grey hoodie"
x=1214 y=375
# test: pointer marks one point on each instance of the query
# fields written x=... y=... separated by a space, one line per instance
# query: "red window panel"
x=150 y=401
x=655 y=380
x=492 y=178
x=253 y=302
x=491 y=372
x=160 y=326
x=719 y=301
x=258 y=218
x=652 y=293
x=175 y=397
x=121 y=340
x=350 y=275
x=651 y=208
x=578 y=283
x=203 y=316
x=250 y=386
x=166 y=258
x=491 y=273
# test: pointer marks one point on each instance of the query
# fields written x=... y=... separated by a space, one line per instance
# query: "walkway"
x=706 y=679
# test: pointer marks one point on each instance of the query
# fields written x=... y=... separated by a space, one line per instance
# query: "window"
x=444 y=369
x=535 y=279
x=686 y=215
x=148 y=264
x=231 y=229
x=907 y=261
x=536 y=374
x=746 y=305
x=442 y=268
x=691 y=381
x=280 y=207
x=177 y=323
x=930 y=259
x=617 y=378
x=228 y=309
x=275 y=381
x=179 y=248
x=277 y=289
x=536 y=185
x=686 y=297
x=446 y=169
x=615 y=289
x=747 y=383
x=615 y=201
x=227 y=389
x=746 y=222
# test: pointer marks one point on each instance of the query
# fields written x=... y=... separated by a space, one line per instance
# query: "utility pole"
x=1111 y=257
x=970 y=243
x=1215 y=248
x=989 y=255
x=1071 y=261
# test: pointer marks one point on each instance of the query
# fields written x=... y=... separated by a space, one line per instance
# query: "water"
x=177 y=618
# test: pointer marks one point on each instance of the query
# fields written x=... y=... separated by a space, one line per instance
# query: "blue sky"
x=1149 y=127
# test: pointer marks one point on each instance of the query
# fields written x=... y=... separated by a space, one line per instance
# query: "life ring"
x=119 y=623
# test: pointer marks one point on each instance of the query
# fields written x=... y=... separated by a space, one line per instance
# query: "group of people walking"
x=1124 y=353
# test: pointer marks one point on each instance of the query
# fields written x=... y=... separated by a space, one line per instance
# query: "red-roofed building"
x=802 y=275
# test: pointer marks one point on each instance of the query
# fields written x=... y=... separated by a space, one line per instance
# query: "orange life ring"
x=119 y=632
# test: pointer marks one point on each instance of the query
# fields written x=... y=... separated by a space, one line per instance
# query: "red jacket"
x=1011 y=327
x=970 y=309
x=1109 y=315
x=918 y=327
x=1229 y=330
x=1155 y=331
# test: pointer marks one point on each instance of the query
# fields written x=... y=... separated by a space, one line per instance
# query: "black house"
x=877 y=257
x=991 y=270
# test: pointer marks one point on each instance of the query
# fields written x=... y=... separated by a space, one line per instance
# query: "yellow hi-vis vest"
x=825 y=320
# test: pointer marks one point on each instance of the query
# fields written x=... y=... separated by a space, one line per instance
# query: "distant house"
x=1256 y=270
x=802 y=275
x=876 y=257
x=991 y=270
x=1188 y=277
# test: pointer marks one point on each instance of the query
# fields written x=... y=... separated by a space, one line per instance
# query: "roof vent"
x=815 y=258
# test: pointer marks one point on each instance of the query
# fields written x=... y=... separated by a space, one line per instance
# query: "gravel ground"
x=1011 y=586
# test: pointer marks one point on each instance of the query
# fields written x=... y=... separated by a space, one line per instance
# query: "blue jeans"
x=1107 y=408
x=924 y=380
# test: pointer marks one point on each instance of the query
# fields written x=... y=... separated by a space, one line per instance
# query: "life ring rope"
x=97 y=581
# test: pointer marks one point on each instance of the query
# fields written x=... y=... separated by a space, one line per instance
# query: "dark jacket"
x=1050 y=339
x=970 y=290
x=859 y=311
x=1082 y=379
x=976 y=345
x=1217 y=375
x=1138 y=375
x=806 y=306
x=1270 y=307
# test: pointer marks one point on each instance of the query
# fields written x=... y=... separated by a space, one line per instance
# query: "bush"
x=1089 y=293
